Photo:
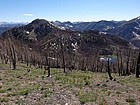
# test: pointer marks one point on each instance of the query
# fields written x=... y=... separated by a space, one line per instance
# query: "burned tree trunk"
x=64 y=66
x=47 y=67
x=12 y=56
x=138 y=67
x=108 y=70
x=63 y=55
x=127 y=68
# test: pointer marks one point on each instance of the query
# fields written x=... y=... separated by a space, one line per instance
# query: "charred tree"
x=108 y=70
x=12 y=55
x=138 y=67
x=63 y=54
x=47 y=64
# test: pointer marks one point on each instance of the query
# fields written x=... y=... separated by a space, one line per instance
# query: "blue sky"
x=68 y=10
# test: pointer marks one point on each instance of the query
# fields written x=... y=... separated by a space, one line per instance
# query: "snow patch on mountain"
x=102 y=33
x=27 y=32
x=60 y=27
x=138 y=17
x=137 y=36
x=137 y=28
x=79 y=34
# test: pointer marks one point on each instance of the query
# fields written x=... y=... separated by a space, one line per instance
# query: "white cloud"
x=28 y=14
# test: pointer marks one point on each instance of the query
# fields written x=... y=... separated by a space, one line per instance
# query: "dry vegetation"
x=20 y=87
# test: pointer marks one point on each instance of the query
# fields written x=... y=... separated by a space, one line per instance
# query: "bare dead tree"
x=62 y=45
x=108 y=70
x=12 y=54
x=48 y=66
x=138 y=67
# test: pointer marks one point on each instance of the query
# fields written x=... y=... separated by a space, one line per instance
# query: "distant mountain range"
x=129 y=30
x=4 y=26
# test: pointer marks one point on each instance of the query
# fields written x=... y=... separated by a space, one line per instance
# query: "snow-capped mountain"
x=129 y=30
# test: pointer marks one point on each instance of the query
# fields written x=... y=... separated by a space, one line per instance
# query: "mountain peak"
x=39 y=21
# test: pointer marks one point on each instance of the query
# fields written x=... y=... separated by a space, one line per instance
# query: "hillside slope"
x=130 y=30
x=41 y=32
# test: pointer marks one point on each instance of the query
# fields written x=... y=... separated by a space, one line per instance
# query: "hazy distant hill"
x=4 y=26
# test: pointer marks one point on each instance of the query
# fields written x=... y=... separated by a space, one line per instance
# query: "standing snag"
x=138 y=67
x=108 y=70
